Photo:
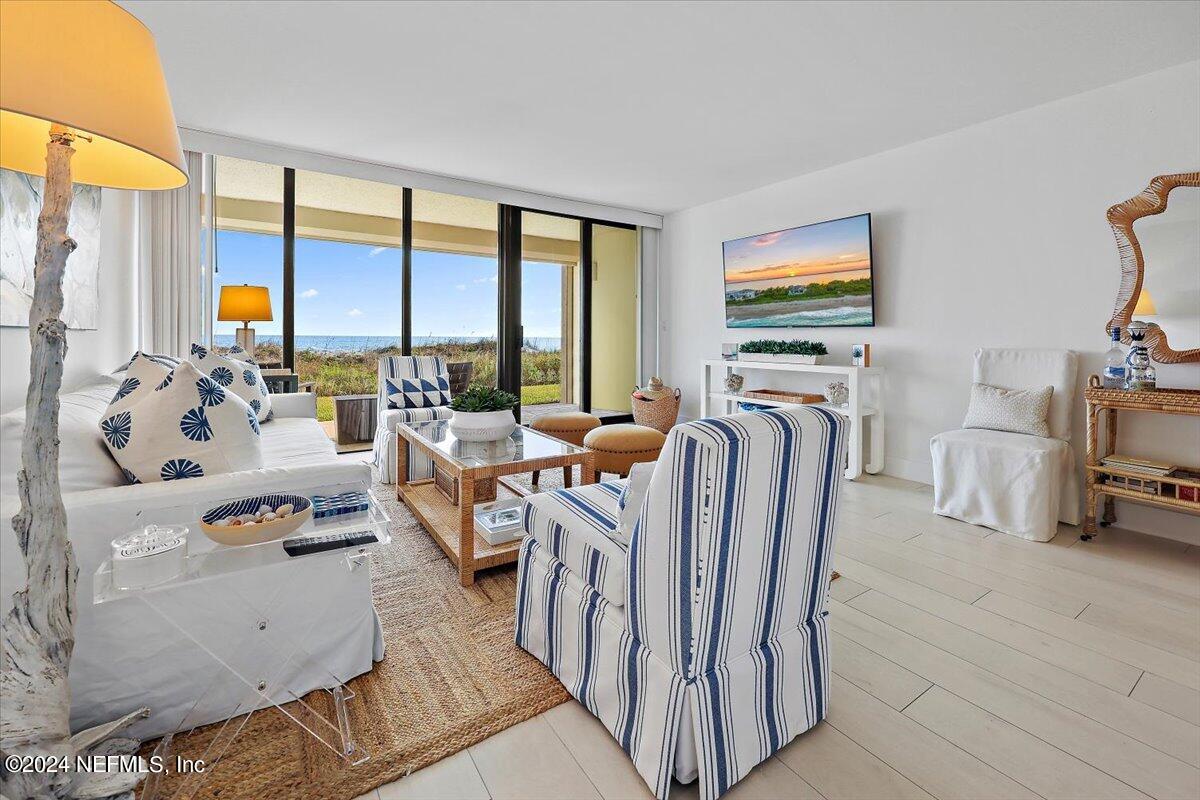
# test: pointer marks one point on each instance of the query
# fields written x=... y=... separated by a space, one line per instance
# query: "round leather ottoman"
x=619 y=447
x=570 y=426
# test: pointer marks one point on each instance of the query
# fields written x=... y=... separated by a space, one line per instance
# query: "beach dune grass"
x=354 y=372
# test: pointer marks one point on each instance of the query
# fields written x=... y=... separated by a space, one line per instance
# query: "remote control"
x=306 y=545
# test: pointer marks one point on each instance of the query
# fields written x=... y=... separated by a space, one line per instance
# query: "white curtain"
x=171 y=282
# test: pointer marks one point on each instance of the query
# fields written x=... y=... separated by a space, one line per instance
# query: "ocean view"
x=356 y=344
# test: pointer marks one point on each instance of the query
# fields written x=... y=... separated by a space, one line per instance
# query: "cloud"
x=462 y=287
x=494 y=279
x=309 y=293
x=354 y=312
x=376 y=251
x=768 y=239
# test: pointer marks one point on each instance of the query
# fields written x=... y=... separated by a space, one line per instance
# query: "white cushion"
x=1012 y=410
x=1033 y=369
x=243 y=378
x=295 y=442
x=83 y=460
x=187 y=427
x=629 y=504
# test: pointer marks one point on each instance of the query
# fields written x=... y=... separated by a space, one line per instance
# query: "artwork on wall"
x=860 y=355
x=20 y=200
x=812 y=276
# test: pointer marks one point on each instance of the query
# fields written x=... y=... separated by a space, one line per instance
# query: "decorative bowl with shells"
x=254 y=520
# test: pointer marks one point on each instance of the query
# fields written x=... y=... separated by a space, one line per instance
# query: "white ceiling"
x=653 y=106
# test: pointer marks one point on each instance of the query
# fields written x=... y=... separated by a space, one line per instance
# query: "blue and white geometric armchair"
x=411 y=389
x=700 y=643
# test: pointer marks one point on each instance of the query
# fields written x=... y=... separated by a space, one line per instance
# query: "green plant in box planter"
x=797 y=351
x=483 y=414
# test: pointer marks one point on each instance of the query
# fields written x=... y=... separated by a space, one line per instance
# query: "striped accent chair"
x=701 y=644
x=395 y=368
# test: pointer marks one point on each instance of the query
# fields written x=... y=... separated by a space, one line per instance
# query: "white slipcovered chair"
x=1013 y=482
x=394 y=370
x=701 y=641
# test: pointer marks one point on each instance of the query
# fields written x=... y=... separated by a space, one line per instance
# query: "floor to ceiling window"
x=550 y=319
x=249 y=246
x=347 y=308
x=454 y=279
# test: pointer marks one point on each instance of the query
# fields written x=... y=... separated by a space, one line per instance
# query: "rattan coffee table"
x=452 y=525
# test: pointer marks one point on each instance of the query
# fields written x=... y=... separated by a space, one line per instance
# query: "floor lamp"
x=82 y=97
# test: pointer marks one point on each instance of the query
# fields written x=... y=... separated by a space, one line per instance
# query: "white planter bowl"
x=482 y=426
x=784 y=358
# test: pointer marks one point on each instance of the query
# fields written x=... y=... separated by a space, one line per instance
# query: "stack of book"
x=1140 y=465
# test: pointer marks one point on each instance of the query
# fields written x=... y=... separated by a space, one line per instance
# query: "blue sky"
x=825 y=250
x=354 y=290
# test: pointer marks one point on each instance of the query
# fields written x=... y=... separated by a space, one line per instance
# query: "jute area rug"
x=452 y=677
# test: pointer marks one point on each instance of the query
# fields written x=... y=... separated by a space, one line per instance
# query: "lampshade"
x=244 y=304
x=91 y=66
x=1145 y=305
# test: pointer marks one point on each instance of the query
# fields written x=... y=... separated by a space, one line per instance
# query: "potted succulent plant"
x=797 y=351
x=483 y=414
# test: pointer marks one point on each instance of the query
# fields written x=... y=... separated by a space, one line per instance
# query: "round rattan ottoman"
x=570 y=426
x=619 y=447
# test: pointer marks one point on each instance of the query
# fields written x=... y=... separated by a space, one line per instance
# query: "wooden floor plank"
x=873 y=673
x=1057 y=601
x=1172 y=666
x=928 y=760
x=1025 y=565
x=1137 y=764
x=959 y=589
x=1133 y=718
x=1080 y=660
x=1167 y=630
x=1044 y=769
x=1168 y=696
x=841 y=770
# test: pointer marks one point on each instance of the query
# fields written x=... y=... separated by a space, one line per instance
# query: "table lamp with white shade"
x=82 y=97
x=244 y=304
x=1145 y=305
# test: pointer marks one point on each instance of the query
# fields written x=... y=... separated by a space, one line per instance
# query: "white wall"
x=89 y=352
x=993 y=235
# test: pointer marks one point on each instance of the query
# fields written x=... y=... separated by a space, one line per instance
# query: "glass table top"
x=523 y=444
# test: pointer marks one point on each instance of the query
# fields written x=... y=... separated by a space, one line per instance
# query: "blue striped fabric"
x=394 y=368
x=725 y=586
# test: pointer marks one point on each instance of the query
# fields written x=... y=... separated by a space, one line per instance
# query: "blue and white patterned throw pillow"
x=236 y=375
x=139 y=377
x=418 y=392
x=184 y=426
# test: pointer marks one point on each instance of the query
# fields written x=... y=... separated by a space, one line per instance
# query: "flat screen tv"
x=813 y=276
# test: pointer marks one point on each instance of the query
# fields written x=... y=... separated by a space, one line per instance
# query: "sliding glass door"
x=543 y=305
x=550 y=318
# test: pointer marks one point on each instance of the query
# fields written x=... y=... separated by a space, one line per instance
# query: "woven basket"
x=659 y=414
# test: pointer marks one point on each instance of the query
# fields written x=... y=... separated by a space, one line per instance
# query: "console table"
x=859 y=410
x=1173 y=491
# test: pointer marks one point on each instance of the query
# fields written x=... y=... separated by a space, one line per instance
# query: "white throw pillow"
x=243 y=378
x=186 y=427
x=629 y=504
x=1013 y=410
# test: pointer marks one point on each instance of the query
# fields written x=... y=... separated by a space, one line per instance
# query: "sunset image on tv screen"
x=813 y=276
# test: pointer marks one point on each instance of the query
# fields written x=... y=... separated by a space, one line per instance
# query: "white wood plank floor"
x=967 y=664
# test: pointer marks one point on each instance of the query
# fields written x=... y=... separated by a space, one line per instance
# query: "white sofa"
x=126 y=655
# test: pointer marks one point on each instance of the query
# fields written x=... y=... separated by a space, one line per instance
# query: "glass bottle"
x=1114 y=362
x=1139 y=375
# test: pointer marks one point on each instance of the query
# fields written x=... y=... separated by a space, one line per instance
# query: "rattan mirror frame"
x=1152 y=200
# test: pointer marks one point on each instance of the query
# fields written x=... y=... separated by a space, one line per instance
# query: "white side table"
x=860 y=410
